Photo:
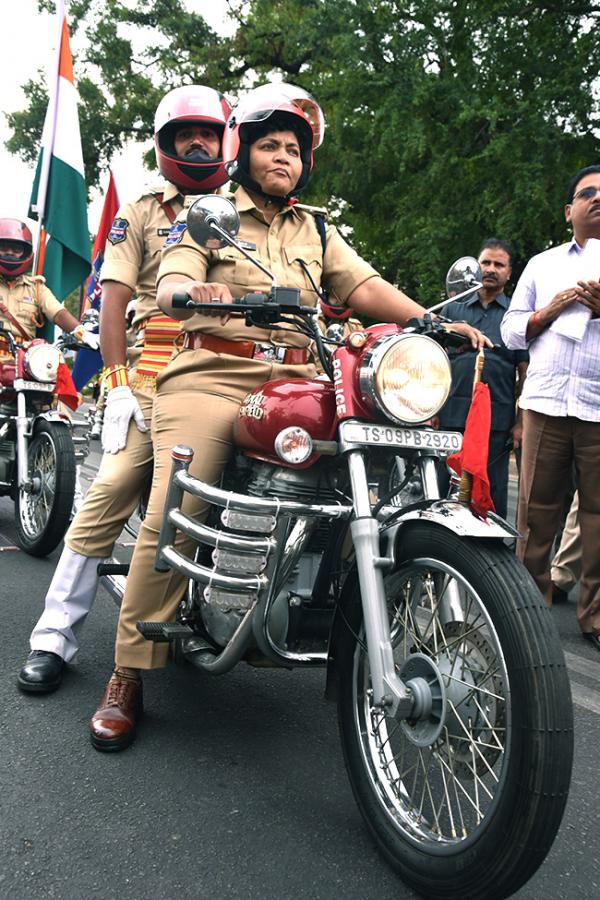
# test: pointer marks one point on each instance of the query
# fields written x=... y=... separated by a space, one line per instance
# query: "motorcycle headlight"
x=41 y=362
x=407 y=377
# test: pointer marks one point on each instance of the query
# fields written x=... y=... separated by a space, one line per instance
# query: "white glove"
x=86 y=337
x=121 y=407
x=91 y=340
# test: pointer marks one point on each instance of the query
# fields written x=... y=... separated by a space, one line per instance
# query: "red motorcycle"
x=38 y=449
x=453 y=700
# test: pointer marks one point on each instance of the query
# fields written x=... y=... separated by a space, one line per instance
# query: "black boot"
x=41 y=673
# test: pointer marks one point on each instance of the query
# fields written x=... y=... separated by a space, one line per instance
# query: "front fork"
x=401 y=699
x=23 y=433
x=389 y=691
x=450 y=608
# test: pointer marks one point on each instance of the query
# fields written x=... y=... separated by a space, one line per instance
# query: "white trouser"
x=69 y=599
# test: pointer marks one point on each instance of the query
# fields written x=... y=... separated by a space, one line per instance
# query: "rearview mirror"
x=464 y=277
x=210 y=216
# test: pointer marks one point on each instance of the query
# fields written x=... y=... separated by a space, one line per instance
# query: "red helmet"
x=195 y=104
x=285 y=105
x=19 y=235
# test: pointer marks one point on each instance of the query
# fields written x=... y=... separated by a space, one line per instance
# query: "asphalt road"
x=235 y=787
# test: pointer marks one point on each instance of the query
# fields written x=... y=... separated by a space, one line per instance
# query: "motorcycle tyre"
x=521 y=829
x=57 y=437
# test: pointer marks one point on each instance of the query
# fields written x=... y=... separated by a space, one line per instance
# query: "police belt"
x=195 y=340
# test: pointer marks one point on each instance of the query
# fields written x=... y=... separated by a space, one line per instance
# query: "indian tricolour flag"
x=58 y=198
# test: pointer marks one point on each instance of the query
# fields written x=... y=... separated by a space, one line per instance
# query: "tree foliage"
x=448 y=121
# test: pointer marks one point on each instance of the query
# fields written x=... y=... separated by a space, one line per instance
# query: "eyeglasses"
x=587 y=193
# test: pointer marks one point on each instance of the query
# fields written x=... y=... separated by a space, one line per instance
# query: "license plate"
x=21 y=385
x=443 y=442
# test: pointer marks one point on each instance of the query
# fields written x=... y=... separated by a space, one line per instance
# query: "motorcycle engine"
x=315 y=485
x=318 y=484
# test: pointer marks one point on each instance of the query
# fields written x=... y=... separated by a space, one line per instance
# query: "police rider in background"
x=188 y=128
x=268 y=146
x=25 y=301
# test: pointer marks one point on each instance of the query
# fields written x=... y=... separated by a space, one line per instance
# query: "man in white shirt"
x=555 y=314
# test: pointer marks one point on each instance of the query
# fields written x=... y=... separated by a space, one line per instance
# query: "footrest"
x=162 y=632
x=113 y=569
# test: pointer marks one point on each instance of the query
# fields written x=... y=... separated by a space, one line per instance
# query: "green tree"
x=448 y=121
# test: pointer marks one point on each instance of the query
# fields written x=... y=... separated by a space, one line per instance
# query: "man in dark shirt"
x=504 y=369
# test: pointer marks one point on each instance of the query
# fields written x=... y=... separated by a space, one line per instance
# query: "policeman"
x=25 y=301
x=268 y=146
x=188 y=129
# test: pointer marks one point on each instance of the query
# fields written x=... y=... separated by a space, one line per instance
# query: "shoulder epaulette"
x=313 y=210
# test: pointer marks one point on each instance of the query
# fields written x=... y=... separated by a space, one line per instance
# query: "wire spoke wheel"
x=465 y=799
x=43 y=513
x=441 y=791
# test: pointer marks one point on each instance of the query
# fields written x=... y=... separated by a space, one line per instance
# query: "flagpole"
x=48 y=136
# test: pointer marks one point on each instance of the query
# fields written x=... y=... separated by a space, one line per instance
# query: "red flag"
x=65 y=389
x=473 y=456
x=88 y=361
x=109 y=211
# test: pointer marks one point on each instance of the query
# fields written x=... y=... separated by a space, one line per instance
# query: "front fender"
x=451 y=514
x=53 y=415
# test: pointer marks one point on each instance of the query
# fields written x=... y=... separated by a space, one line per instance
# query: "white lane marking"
x=586 y=697
x=582 y=666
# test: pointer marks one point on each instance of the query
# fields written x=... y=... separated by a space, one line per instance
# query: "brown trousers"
x=550 y=446
x=198 y=397
x=114 y=494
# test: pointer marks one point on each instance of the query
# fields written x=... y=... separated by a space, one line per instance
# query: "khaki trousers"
x=566 y=565
x=198 y=397
x=113 y=496
x=550 y=445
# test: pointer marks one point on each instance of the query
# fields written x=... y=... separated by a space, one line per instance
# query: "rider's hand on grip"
x=207 y=292
x=121 y=407
x=180 y=301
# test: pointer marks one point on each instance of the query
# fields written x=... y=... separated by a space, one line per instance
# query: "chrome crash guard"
x=249 y=570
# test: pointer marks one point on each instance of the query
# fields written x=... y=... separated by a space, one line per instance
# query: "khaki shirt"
x=134 y=244
x=29 y=301
x=291 y=235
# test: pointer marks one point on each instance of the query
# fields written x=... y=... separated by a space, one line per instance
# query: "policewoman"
x=268 y=149
x=188 y=128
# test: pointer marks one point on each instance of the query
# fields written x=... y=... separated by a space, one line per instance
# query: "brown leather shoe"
x=112 y=727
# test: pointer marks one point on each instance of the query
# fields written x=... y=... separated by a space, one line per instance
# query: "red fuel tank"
x=304 y=402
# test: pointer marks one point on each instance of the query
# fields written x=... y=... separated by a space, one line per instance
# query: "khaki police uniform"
x=131 y=258
x=30 y=302
x=200 y=391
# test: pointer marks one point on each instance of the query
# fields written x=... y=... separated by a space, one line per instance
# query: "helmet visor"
x=268 y=99
x=14 y=251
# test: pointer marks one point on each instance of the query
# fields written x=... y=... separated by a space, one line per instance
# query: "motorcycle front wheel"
x=43 y=514
x=466 y=802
